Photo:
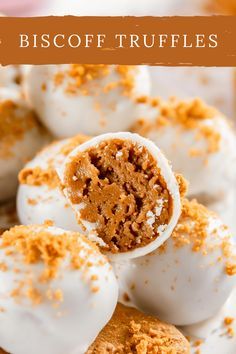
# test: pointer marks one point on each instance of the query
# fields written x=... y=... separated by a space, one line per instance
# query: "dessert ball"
x=190 y=277
x=39 y=196
x=57 y=291
x=197 y=139
x=131 y=331
x=123 y=191
x=88 y=99
x=21 y=137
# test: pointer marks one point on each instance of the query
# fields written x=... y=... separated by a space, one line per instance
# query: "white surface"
x=216 y=341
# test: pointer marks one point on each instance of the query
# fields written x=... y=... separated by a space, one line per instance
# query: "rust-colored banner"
x=167 y=41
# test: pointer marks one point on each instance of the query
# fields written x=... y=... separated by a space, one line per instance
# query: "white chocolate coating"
x=177 y=284
x=68 y=325
x=15 y=151
x=214 y=86
x=166 y=173
x=9 y=76
x=224 y=207
x=97 y=111
x=49 y=203
x=210 y=170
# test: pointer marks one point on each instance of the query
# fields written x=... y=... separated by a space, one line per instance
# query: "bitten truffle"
x=123 y=191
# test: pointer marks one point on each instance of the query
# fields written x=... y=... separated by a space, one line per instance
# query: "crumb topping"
x=36 y=244
x=121 y=191
x=132 y=332
x=15 y=122
x=37 y=176
x=183 y=184
x=189 y=115
x=83 y=77
x=193 y=229
x=228 y=321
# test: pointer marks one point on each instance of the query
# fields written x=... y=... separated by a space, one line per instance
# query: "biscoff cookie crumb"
x=189 y=115
x=132 y=332
x=82 y=77
x=192 y=229
x=37 y=176
x=40 y=244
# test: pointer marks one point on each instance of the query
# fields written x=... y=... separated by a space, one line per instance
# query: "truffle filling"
x=121 y=191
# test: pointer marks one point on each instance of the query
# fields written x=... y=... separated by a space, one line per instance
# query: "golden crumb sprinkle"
x=36 y=176
x=132 y=332
x=38 y=244
x=228 y=321
x=198 y=342
x=15 y=122
x=230 y=332
x=73 y=143
x=193 y=229
x=230 y=269
x=83 y=77
x=183 y=184
x=188 y=115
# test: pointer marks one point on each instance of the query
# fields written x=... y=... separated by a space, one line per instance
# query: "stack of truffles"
x=111 y=247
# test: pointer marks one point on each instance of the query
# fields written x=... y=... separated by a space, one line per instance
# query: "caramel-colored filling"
x=122 y=192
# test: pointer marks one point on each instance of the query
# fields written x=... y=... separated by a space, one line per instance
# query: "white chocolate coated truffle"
x=197 y=139
x=190 y=278
x=123 y=190
x=57 y=291
x=88 y=99
x=21 y=137
x=39 y=196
